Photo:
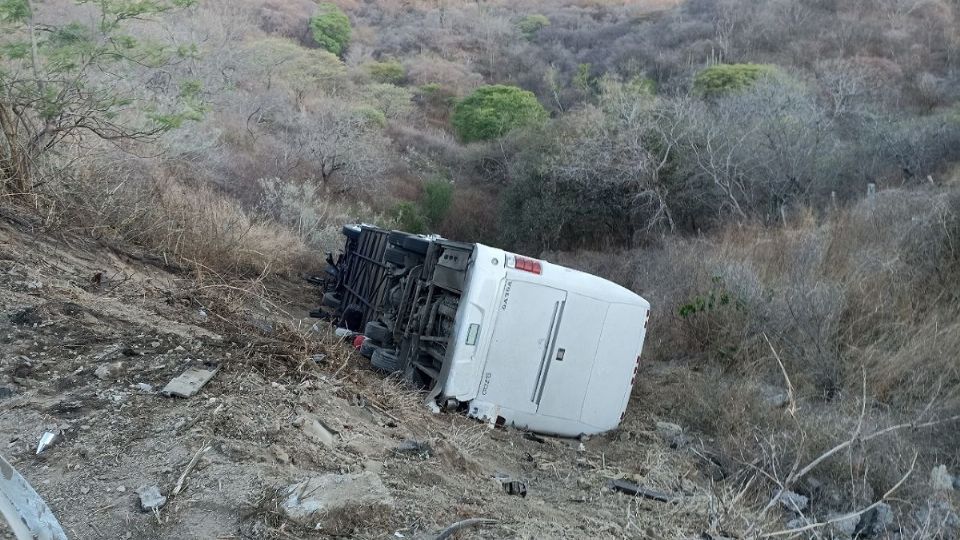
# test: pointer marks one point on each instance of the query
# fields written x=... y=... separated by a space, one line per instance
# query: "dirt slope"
x=69 y=306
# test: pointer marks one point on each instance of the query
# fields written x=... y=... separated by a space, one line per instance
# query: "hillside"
x=780 y=178
x=87 y=360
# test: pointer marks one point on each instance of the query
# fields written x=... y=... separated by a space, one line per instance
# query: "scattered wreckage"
x=508 y=339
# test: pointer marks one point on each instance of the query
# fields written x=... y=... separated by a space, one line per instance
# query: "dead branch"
x=472 y=522
x=190 y=466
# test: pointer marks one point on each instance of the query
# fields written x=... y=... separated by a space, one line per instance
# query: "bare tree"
x=760 y=148
x=341 y=149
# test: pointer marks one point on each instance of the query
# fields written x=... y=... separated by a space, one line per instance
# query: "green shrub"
x=642 y=86
x=390 y=71
x=409 y=218
x=429 y=211
x=437 y=197
x=370 y=116
x=722 y=79
x=331 y=28
x=492 y=111
x=530 y=25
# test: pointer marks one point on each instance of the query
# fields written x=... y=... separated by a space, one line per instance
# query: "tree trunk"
x=15 y=165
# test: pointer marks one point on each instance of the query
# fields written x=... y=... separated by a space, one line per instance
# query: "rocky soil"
x=294 y=436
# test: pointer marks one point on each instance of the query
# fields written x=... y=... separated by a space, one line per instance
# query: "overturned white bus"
x=510 y=339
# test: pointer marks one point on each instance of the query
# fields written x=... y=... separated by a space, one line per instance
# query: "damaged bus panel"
x=510 y=339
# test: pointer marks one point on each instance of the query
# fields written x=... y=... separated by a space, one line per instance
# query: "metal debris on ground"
x=27 y=515
x=47 y=440
x=534 y=437
x=188 y=383
x=511 y=485
x=636 y=490
x=415 y=448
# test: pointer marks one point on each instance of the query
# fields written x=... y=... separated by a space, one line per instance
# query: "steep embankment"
x=90 y=334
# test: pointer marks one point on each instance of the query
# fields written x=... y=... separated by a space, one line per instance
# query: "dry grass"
x=184 y=222
x=861 y=306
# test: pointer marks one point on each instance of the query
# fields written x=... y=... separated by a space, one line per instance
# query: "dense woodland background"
x=779 y=177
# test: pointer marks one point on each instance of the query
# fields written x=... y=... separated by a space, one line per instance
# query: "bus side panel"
x=610 y=382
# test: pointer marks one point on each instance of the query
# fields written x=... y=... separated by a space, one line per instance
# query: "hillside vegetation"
x=779 y=177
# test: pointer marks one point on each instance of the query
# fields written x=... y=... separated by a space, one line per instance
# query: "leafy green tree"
x=393 y=101
x=62 y=83
x=492 y=111
x=531 y=25
x=389 y=71
x=583 y=81
x=331 y=28
x=723 y=79
x=283 y=63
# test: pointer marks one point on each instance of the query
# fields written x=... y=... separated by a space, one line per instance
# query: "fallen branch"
x=637 y=490
x=791 y=400
x=204 y=448
x=472 y=522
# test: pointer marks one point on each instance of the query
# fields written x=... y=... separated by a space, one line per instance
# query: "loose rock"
x=150 y=498
x=108 y=371
x=773 y=397
x=843 y=528
x=794 y=501
x=940 y=479
x=672 y=434
x=875 y=522
x=316 y=430
x=280 y=455
x=331 y=492
x=668 y=430
x=942 y=514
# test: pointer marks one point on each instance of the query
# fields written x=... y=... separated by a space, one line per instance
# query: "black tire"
x=378 y=331
x=351 y=232
x=385 y=360
x=416 y=244
x=369 y=347
x=331 y=301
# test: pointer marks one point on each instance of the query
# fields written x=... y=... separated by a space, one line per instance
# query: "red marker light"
x=522 y=263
